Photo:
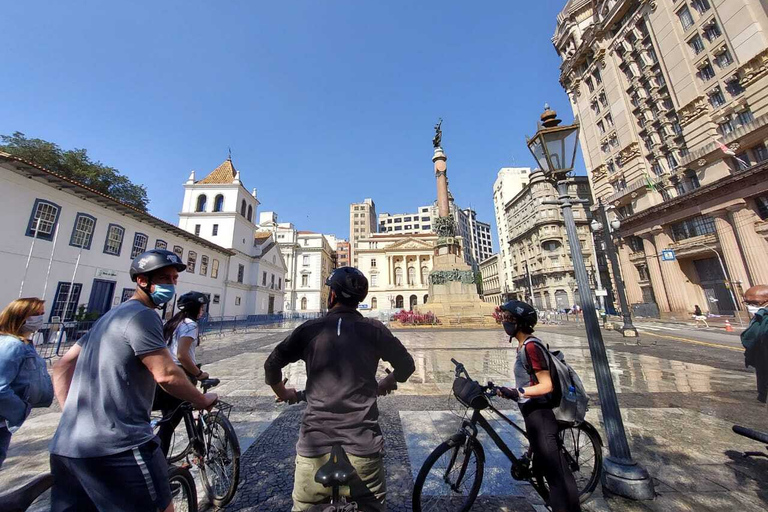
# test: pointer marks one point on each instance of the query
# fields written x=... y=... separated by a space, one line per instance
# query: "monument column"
x=652 y=260
x=753 y=246
x=674 y=278
x=731 y=253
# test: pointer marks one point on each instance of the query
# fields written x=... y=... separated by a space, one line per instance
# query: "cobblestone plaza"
x=679 y=401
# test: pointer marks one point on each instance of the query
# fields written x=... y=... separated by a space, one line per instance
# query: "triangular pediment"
x=410 y=244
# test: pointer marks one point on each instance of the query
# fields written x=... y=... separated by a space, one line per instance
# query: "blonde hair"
x=16 y=313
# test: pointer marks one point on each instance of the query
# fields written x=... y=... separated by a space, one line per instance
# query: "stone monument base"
x=453 y=298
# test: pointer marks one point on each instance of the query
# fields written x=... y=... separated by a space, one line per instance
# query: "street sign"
x=601 y=293
x=668 y=255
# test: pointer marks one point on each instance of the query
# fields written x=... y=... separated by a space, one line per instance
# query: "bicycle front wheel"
x=183 y=489
x=450 y=478
x=220 y=466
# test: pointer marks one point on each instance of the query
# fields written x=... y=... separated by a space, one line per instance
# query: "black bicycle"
x=209 y=442
x=451 y=476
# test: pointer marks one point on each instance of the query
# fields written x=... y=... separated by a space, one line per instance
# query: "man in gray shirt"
x=104 y=455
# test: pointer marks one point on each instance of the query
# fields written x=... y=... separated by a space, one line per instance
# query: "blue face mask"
x=510 y=328
x=162 y=294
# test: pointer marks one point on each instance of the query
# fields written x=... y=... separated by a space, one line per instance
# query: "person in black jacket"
x=341 y=351
x=755 y=337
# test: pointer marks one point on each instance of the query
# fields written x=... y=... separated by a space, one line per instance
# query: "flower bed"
x=411 y=318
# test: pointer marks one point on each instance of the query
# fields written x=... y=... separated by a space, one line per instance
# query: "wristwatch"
x=521 y=391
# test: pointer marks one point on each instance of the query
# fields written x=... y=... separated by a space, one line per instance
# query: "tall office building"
x=362 y=222
x=510 y=181
x=671 y=98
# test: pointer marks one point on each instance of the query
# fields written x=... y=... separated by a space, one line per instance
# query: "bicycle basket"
x=469 y=393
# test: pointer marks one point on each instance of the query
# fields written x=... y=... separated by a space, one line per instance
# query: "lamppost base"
x=627 y=479
x=629 y=332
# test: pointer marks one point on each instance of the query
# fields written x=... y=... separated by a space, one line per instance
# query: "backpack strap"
x=526 y=362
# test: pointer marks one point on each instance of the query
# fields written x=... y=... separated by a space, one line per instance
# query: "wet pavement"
x=680 y=394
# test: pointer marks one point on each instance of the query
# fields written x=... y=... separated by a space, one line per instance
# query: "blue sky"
x=322 y=102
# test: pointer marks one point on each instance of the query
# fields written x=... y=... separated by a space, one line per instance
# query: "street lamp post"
x=628 y=330
x=554 y=148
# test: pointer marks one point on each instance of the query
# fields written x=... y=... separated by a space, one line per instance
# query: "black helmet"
x=191 y=299
x=155 y=259
x=522 y=312
x=348 y=283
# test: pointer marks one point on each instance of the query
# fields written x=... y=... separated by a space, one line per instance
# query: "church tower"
x=220 y=209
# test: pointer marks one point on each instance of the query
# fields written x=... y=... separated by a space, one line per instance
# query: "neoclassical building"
x=672 y=98
x=489 y=270
x=397 y=267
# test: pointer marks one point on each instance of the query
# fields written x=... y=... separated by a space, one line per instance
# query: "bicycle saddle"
x=209 y=383
x=19 y=499
x=337 y=471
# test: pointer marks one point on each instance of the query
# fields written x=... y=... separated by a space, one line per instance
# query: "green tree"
x=77 y=165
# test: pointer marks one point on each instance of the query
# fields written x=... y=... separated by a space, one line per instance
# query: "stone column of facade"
x=731 y=252
x=674 y=278
x=754 y=247
x=390 y=274
x=418 y=272
x=654 y=271
x=634 y=293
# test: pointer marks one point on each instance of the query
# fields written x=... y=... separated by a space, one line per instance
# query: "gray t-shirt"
x=109 y=402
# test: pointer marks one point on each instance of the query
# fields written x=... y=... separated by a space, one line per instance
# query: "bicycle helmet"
x=155 y=259
x=349 y=284
x=190 y=299
x=522 y=312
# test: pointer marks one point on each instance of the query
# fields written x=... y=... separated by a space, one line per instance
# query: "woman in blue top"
x=24 y=379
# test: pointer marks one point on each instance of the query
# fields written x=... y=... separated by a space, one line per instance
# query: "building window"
x=242 y=208
x=686 y=20
x=760 y=152
x=264 y=279
x=733 y=86
x=237 y=301
x=744 y=117
x=215 y=230
x=178 y=251
x=303 y=303
x=279 y=283
x=305 y=260
x=216 y=298
x=706 y=73
x=701 y=6
x=250 y=212
x=696 y=44
x=373 y=262
x=600 y=127
x=201 y=201
x=590 y=86
x=725 y=127
x=42 y=222
x=82 y=233
x=305 y=280
x=695 y=226
x=203 y=265
x=712 y=31
x=374 y=303
x=716 y=97
x=724 y=59
x=197 y=229
x=762 y=206
x=374 y=280
x=65 y=302
x=139 y=244
x=161 y=244
x=671 y=160
x=127 y=294
x=191 y=261
x=272 y=281
x=114 y=242
x=657 y=169
x=215 y=269
x=218 y=203
x=240 y=273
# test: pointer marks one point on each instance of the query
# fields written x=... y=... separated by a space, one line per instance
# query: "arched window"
x=374 y=303
x=218 y=203
x=250 y=212
x=242 y=208
x=201 y=201
x=425 y=298
x=303 y=303
x=424 y=275
x=413 y=301
x=399 y=277
x=411 y=275
x=399 y=302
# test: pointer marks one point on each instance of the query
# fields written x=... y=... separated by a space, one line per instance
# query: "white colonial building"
x=489 y=270
x=73 y=247
x=397 y=268
x=309 y=260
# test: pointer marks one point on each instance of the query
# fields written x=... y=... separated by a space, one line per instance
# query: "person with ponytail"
x=182 y=336
x=24 y=379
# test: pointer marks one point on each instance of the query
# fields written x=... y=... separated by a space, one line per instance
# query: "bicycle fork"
x=462 y=441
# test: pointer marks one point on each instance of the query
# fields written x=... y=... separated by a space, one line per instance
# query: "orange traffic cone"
x=728 y=327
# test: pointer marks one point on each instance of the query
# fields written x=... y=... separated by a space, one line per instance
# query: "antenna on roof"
x=230 y=153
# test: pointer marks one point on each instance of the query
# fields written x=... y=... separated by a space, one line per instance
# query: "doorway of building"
x=561 y=300
x=713 y=281
x=399 y=302
x=100 y=300
x=413 y=301
x=271 y=305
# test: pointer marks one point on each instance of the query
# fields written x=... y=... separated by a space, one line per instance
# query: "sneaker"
x=761 y=398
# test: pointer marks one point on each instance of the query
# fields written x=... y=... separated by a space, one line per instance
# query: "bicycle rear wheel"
x=183 y=489
x=220 y=466
x=583 y=451
x=450 y=478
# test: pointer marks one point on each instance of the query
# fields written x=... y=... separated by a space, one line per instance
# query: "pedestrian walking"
x=755 y=337
x=699 y=316
x=24 y=379
x=341 y=351
x=535 y=393
x=104 y=454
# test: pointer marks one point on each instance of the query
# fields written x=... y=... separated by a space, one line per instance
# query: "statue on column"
x=438 y=134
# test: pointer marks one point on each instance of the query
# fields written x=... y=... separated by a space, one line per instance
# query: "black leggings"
x=541 y=426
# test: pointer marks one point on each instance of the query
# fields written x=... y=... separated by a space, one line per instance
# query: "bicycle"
x=460 y=460
x=755 y=435
x=211 y=444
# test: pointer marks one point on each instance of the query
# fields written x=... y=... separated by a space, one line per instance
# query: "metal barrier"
x=54 y=339
x=220 y=325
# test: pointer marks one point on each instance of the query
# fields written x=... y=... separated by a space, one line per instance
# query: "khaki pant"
x=368 y=488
